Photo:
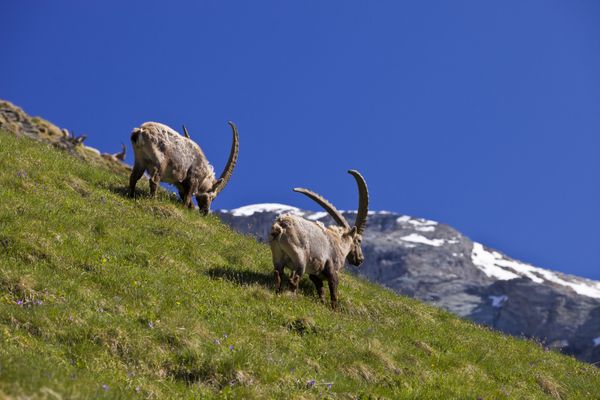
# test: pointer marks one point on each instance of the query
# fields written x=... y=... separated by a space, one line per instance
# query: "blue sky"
x=484 y=115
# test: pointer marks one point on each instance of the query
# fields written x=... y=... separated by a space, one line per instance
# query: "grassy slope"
x=147 y=298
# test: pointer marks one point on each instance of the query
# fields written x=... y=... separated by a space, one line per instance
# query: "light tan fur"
x=167 y=156
x=305 y=246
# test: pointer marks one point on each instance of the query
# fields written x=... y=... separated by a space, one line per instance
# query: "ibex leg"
x=136 y=174
x=333 y=280
x=319 y=285
x=154 y=182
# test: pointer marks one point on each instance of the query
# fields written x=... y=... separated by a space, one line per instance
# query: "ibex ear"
x=351 y=232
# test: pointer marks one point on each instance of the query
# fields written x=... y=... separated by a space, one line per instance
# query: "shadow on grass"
x=162 y=194
x=244 y=277
x=123 y=190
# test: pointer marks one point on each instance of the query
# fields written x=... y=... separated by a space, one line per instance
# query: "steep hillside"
x=437 y=264
x=106 y=297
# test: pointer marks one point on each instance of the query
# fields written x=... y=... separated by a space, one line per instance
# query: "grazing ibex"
x=307 y=246
x=116 y=156
x=170 y=157
x=70 y=137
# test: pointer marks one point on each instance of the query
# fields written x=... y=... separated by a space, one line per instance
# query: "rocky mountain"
x=437 y=264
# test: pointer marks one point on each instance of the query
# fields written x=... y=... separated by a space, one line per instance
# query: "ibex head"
x=355 y=256
x=206 y=199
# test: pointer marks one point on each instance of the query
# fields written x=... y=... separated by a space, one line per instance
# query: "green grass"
x=106 y=297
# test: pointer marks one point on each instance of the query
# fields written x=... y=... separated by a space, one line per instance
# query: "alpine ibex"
x=172 y=158
x=307 y=246
x=116 y=156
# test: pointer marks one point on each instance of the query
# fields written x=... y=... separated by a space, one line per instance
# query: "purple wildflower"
x=311 y=383
x=105 y=387
x=39 y=302
x=231 y=347
x=329 y=385
x=151 y=324
x=19 y=302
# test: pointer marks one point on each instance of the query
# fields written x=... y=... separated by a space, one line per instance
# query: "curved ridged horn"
x=185 y=132
x=233 y=155
x=122 y=154
x=335 y=214
x=363 y=201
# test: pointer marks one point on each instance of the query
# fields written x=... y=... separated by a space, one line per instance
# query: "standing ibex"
x=170 y=157
x=308 y=246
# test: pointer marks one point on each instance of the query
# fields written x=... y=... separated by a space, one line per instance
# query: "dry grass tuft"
x=549 y=387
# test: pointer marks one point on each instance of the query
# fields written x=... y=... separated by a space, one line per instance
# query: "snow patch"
x=425 y=228
x=498 y=301
x=596 y=341
x=495 y=265
x=317 y=215
x=422 y=222
x=486 y=262
x=277 y=208
x=416 y=238
x=370 y=212
x=419 y=224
